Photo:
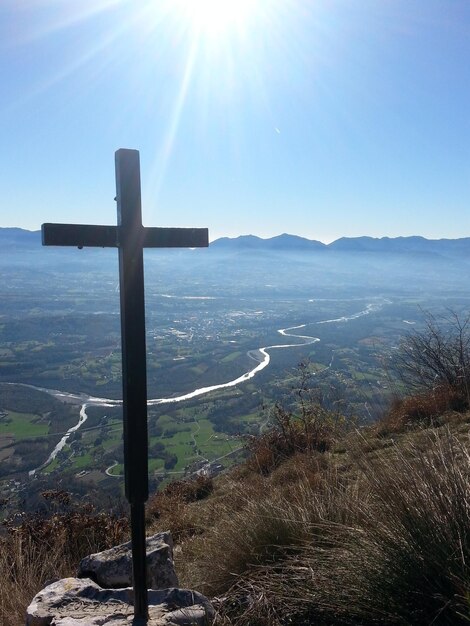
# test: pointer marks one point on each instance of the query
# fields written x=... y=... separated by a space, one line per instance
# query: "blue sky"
x=314 y=117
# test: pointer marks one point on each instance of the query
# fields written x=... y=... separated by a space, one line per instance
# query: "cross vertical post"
x=134 y=369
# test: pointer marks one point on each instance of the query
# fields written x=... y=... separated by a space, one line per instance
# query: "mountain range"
x=382 y=245
x=11 y=238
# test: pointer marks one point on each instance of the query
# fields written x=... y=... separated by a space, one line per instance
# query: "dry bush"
x=182 y=520
x=305 y=423
x=438 y=355
x=303 y=467
x=424 y=409
x=311 y=429
x=190 y=490
x=288 y=436
x=77 y=533
x=434 y=366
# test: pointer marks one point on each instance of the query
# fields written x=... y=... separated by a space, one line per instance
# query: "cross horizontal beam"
x=84 y=235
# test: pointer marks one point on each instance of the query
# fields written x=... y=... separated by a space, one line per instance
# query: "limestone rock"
x=81 y=602
x=113 y=568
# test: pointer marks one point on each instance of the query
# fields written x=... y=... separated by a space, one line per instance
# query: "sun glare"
x=213 y=17
x=219 y=60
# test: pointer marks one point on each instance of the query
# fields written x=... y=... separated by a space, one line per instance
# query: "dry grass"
x=415 y=547
x=25 y=568
x=38 y=549
x=169 y=509
x=386 y=544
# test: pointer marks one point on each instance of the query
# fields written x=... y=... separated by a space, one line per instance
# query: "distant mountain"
x=237 y=243
x=281 y=242
x=402 y=245
x=383 y=245
x=19 y=238
x=293 y=242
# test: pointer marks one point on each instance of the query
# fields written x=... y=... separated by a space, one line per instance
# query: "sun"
x=216 y=17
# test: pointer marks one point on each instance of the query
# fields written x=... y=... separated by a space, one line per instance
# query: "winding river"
x=261 y=356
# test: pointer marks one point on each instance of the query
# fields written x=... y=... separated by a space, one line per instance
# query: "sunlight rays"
x=215 y=59
x=162 y=157
x=52 y=16
x=225 y=52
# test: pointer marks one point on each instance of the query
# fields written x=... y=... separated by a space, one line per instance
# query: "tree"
x=438 y=355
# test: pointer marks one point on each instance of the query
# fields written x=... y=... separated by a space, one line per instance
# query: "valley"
x=225 y=336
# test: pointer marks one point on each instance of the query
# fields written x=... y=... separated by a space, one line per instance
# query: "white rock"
x=113 y=568
x=81 y=602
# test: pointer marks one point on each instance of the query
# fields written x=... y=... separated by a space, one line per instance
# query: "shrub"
x=421 y=409
x=77 y=532
x=304 y=426
x=289 y=434
x=434 y=365
x=190 y=490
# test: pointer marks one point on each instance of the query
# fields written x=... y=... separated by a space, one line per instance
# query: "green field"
x=23 y=425
x=231 y=357
x=82 y=462
x=53 y=465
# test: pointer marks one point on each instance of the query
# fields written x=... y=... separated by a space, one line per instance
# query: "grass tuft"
x=387 y=545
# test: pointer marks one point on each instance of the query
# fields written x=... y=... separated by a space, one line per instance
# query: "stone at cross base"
x=113 y=568
x=83 y=602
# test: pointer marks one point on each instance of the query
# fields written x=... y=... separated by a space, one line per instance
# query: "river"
x=261 y=356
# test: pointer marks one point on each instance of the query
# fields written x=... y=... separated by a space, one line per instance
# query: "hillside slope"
x=320 y=525
x=368 y=527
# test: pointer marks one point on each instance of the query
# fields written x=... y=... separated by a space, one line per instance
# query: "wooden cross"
x=130 y=237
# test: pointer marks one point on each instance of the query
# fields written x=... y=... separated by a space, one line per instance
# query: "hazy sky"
x=323 y=118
